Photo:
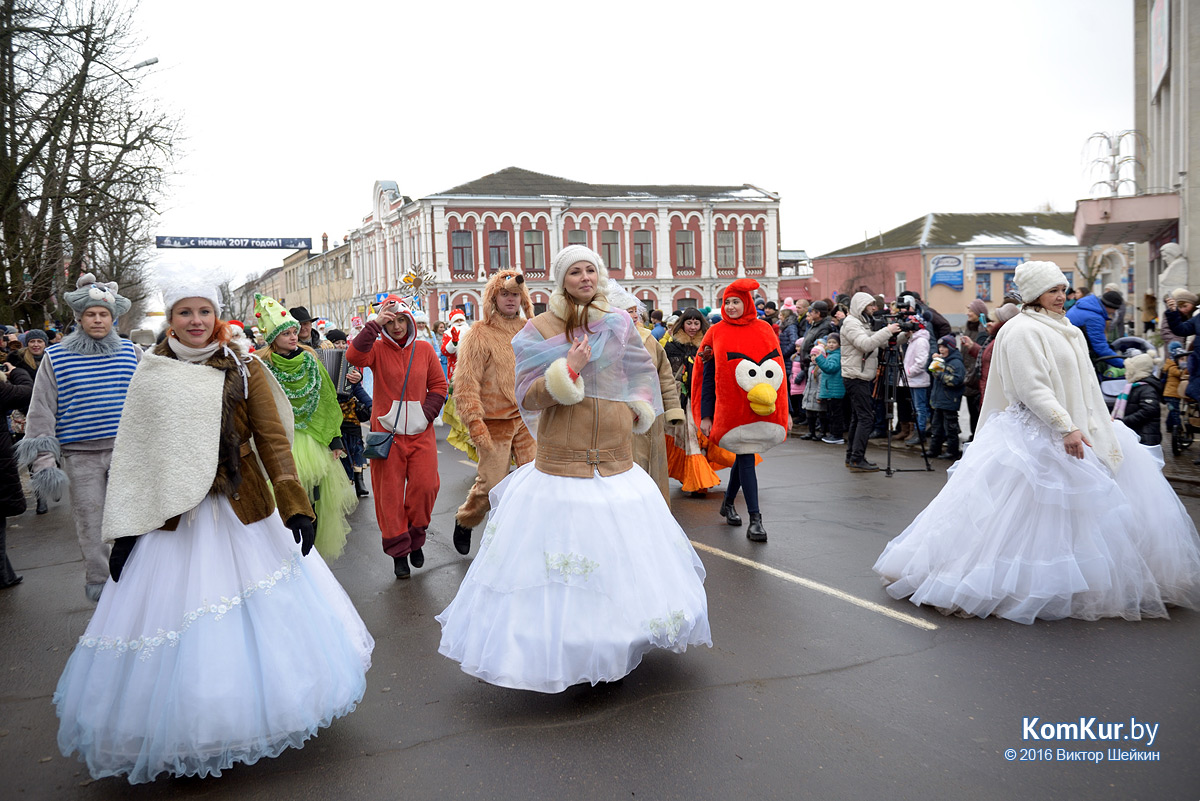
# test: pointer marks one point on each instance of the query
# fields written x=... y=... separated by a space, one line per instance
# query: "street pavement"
x=819 y=686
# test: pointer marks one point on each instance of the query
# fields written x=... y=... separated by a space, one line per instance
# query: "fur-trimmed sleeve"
x=555 y=387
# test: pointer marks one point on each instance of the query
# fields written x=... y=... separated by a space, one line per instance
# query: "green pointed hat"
x=272 y=318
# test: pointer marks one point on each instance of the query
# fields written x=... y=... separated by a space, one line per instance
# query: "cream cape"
x=1041 y=361
x=165 y=455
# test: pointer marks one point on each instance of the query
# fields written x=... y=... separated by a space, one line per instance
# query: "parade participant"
x=434 y=338
x=650 y=448
x=439 y=331
x=77 y=400
x=356 y=410
x=1054 y=511
x=317 y=448
x=860 y=362
x=220 y=638
x=582 y=568
x=739 y=396
x=485 y=396
x=688 y=461
x=13 y=398
x=458 y=436
x=408 y=393
x=308 y=336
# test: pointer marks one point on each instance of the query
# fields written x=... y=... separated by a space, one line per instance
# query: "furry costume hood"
x=741 y=288
x=510 y=280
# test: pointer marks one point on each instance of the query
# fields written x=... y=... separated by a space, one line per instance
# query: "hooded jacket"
x=860 y=345
x=1143 y=412
x=946 y=389
x=1092 y=316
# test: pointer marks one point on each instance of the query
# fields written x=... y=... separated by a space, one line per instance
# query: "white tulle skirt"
x=220 y=644
x=575 y=580
x=1023 y=531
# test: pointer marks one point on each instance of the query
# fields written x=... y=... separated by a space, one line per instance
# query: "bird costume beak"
x=762 y=399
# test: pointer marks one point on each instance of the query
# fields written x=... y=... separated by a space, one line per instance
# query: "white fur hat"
x=574 y=253
x=1037 y=277
x=191 y=288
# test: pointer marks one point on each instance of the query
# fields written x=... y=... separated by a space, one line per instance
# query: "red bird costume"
x=751 y=413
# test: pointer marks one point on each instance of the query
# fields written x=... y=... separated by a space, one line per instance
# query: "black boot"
x=729 y=513
x=417 y=558
x=41 y=505
x=401 y=567
x=755 y=531
x=462 y=538
x=359 y=489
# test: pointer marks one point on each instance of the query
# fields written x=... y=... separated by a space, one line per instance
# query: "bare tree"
x=83 y=156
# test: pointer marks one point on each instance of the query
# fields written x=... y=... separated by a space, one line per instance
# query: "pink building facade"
x=672 y=246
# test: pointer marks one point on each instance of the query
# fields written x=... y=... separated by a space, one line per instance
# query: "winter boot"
x=730 y=514
x=462 y=538
x=400 y=567
x=359 y=489
x=41 y=505
x=906 y=430
x=417 y=558
x=755 y=531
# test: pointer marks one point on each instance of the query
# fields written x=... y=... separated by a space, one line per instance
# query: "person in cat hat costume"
x=739 y=396
x=485 y=399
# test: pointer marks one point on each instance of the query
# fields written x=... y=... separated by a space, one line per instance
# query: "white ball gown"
x=220 y=644
x=1023 y=531
x=575 y=580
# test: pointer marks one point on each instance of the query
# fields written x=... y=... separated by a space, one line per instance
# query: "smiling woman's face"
x=193 y=320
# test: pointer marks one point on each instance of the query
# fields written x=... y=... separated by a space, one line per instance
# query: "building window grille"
x=726 y=250
x=754 y=250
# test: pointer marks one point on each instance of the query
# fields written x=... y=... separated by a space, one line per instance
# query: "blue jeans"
x=920 y=400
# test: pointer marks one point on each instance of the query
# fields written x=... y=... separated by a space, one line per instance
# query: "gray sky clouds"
x=861 y=115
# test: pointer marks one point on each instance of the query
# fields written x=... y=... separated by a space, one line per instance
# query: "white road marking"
x=819 y=587
x=467 y=462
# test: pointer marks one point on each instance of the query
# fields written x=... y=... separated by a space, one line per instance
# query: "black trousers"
x=945 y=431
x=862 y=417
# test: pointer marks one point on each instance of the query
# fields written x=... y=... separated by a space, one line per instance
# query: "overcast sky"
x=861 y=115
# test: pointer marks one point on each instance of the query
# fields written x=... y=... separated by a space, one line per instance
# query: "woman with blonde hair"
x=581 y=569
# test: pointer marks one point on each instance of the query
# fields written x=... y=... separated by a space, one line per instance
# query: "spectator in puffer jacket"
x=1091 y=314
x=1143 y=411
x=945 y=397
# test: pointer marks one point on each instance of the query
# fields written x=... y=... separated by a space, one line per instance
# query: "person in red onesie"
x=739 y=396
x=409 y=391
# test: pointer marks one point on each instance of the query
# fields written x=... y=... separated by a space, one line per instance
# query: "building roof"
x=793 y=255
x=516 y=182
x=1030 y=229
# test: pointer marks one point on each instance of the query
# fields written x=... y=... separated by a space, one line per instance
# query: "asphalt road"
x=812 y=689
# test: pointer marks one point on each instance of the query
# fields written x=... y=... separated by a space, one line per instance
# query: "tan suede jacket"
x=578 y=435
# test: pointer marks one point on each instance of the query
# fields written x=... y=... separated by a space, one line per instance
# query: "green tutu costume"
x=459 y=437
x=318 y=422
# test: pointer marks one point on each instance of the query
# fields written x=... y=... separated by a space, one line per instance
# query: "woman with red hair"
x=220 y=636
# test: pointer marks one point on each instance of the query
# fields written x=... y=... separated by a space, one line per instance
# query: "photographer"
x=860 y=362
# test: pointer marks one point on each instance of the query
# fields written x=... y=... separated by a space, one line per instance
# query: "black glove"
x=120 y=555
x=303 y=531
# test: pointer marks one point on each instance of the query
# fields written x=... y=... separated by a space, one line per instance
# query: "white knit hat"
x=179 y=289
x=573 y=253
x=1037 y=277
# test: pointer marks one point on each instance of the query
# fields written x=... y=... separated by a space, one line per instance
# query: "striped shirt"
x=91 y=391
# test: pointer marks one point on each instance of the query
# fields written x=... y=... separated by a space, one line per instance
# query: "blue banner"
x=250 y=243
x=996 y=263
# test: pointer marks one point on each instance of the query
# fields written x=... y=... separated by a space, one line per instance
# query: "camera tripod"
x=891 y=367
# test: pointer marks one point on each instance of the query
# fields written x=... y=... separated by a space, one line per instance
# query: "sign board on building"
x=379 y=296
x=229 y=242
x=946 y=270
x=982 y=263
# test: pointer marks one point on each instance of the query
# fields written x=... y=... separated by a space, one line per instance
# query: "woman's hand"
x=706 y=426
x=339 y=454
x=1074 y=443
x=579 y=354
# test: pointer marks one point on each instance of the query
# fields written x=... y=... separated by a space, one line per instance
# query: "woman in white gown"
x=581 y=569
x=221 y=637
x=1054 y=510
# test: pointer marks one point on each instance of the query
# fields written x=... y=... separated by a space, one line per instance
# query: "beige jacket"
x=578 y=435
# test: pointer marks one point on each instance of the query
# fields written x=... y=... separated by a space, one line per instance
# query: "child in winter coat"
x=945 y=397
x=1142 y=411
x=1174 y=380
x=829 y=360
